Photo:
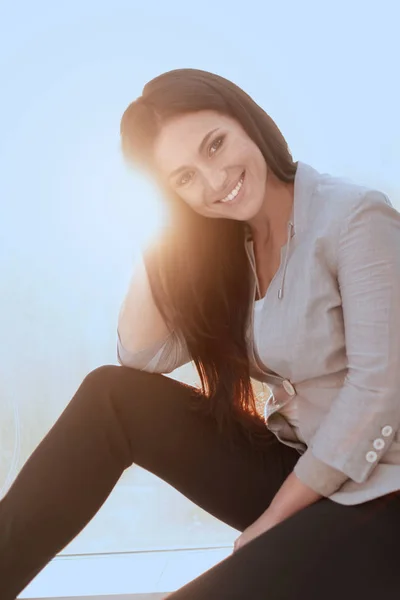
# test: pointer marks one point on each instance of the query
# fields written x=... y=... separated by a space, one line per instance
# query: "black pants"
x=120 y=416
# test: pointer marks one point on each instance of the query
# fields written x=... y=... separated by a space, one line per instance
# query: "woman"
x=265 y=269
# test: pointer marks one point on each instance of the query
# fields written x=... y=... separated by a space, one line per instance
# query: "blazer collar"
x=305 y=184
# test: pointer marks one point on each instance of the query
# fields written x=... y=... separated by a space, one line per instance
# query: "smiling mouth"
x=232 y=195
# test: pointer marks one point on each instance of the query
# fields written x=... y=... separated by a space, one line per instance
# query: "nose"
x=216 y=181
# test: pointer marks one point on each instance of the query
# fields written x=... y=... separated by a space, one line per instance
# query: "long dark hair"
x=198 y=270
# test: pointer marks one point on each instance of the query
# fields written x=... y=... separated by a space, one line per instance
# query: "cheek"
x=261 y=164
x=192 y=197
x=247 y=148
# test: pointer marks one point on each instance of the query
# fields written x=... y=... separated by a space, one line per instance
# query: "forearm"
x=140 y=324
x=292 y=497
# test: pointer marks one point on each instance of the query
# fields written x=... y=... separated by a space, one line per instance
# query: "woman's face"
x=212 y=164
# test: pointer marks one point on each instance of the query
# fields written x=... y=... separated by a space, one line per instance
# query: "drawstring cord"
x=280 y=291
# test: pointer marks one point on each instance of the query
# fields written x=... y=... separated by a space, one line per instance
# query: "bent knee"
x=111 y=376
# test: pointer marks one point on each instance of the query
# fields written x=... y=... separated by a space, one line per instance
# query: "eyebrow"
x=201 y=148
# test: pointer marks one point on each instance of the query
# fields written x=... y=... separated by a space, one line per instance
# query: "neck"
x=271 y=221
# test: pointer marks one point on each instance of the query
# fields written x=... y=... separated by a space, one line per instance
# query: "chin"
x=248 y=212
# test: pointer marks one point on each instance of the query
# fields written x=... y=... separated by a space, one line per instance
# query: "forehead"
x=179 y=139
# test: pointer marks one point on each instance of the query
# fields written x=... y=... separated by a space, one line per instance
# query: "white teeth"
x=234 y=192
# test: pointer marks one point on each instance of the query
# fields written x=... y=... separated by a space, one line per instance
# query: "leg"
x=326 y=551
x=121 y=416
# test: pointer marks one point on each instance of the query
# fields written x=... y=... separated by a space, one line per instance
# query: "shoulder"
x=334 y=205
x=341 y=196
x=338 y=201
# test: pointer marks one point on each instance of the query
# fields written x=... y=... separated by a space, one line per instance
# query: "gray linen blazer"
x=330 y=339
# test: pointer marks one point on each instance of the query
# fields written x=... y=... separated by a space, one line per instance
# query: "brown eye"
x=216 y=144
x=186 y=177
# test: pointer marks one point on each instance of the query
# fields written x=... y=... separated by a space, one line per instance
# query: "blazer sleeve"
x=164 y=357
x=360 y=425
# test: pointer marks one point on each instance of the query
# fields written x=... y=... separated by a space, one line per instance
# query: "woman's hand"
x=263 y=523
